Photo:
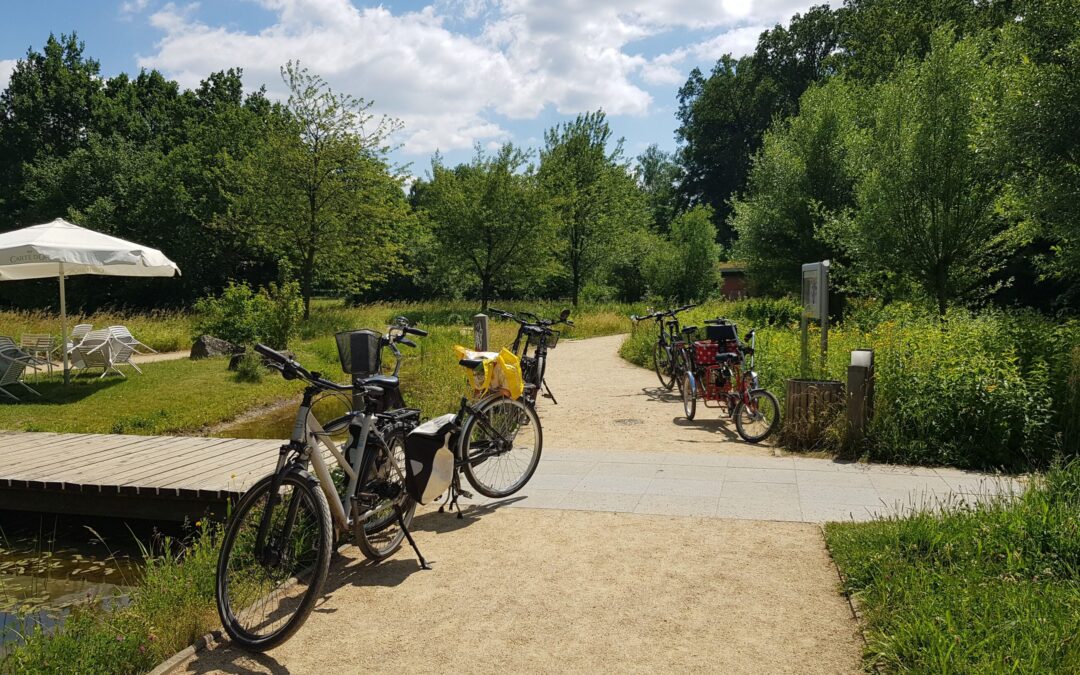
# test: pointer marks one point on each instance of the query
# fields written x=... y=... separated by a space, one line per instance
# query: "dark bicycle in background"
x=539 y=334
x=668 y=343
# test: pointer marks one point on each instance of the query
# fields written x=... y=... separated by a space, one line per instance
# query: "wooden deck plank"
x=106 y=469
x=77 y=450
x=176 y=457
x=94 y=473
x=66 y=462
x=223 y=465
x=172 y=475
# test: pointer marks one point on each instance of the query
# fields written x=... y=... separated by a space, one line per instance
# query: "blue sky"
x=456 y=72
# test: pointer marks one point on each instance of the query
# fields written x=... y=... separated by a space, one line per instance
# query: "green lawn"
x=989 y=590
x=185 y=396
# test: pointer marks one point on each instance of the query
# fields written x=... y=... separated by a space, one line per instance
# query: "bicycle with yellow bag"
x=495 y=435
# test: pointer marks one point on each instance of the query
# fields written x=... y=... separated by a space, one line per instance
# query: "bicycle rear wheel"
x=266 y=589
x=688 y=387
x=380 y=535
x=501 y=444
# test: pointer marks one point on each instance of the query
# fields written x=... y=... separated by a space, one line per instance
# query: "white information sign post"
x=815 y=301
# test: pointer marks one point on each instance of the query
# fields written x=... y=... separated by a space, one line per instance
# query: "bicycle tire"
x=662 y=366
x=739 y=424
x=522 y=414
x=372 y=538
x=688 y=388
x=308 y=490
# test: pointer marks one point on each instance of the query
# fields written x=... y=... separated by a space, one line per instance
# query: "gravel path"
x=606 y=403
x=523 y=590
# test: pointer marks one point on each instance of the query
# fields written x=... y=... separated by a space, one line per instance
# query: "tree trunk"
x=485 y=292
x=307 y=282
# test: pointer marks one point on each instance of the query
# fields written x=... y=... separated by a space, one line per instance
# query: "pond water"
x=277 y=422
x=48 y=564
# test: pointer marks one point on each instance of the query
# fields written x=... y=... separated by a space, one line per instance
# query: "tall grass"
x=164 y=330
x=989 y=589
x=991 y=389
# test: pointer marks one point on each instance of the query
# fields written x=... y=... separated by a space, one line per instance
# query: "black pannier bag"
x=429 y=462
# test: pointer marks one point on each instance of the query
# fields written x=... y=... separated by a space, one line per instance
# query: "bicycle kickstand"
x=549 y=394
x=408 y=535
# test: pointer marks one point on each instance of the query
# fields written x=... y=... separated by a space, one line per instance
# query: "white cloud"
x=445 y=79
x=7 y=66
x=129 y=7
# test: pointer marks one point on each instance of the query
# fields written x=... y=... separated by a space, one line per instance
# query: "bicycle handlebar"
x=536 y=320
x=661 y=315
x=291 y=370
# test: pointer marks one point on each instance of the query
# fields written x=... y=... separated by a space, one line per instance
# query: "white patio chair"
x=99 y=350
x=77 y=334
x=41 y=347
x=123 y=335
x=11 y=372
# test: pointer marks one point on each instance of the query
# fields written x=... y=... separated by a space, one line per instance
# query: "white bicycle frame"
x=309 y=432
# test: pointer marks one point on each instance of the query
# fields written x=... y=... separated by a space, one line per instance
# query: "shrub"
x=782 y=311
x=250 y=368
x=245 y=316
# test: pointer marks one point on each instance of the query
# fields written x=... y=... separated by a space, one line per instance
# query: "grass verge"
x=172 y=605
x=987 y=589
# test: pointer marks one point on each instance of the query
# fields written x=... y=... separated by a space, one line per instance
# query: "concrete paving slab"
x=835 y=494
x=763 y=510
x=593 y=483
x=685 y=487
x=600 y=501
x=677 y=505
x=747 y=475
x=759 y=492
x=834 y=478
x=692 y=472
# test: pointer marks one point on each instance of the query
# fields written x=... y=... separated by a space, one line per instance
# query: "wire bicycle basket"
x=359 y=351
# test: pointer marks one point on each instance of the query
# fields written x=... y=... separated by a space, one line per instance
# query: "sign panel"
x=815 y=290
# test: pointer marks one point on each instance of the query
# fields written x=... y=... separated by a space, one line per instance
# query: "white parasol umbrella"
x=62 y=249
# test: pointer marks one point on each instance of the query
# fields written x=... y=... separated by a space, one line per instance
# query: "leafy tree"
x=800 y=179
x=722 y=117
x=593 y=198
x=658 y=176
x=683 y=267
x=319 y=191
x=487 y=218
x=1036 y=131
x=925 y=196
x=46 y=110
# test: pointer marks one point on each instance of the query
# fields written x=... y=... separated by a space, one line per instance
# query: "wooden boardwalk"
x=158 y=477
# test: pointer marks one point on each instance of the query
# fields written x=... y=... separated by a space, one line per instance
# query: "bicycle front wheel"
x=756 y=420
x=267 y=585
x=662 y=366
x=501 y=444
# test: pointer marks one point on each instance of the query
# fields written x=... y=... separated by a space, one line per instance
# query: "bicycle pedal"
x=465 y=494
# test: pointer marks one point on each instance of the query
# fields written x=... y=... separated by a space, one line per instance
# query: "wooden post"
x=860 y=400
x=857 y=380
x=480 y=332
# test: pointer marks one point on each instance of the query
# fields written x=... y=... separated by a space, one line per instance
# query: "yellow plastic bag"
x=501 y=370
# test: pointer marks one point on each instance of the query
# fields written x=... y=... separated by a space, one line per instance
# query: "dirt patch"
x=560 y=591
x=606 y=403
